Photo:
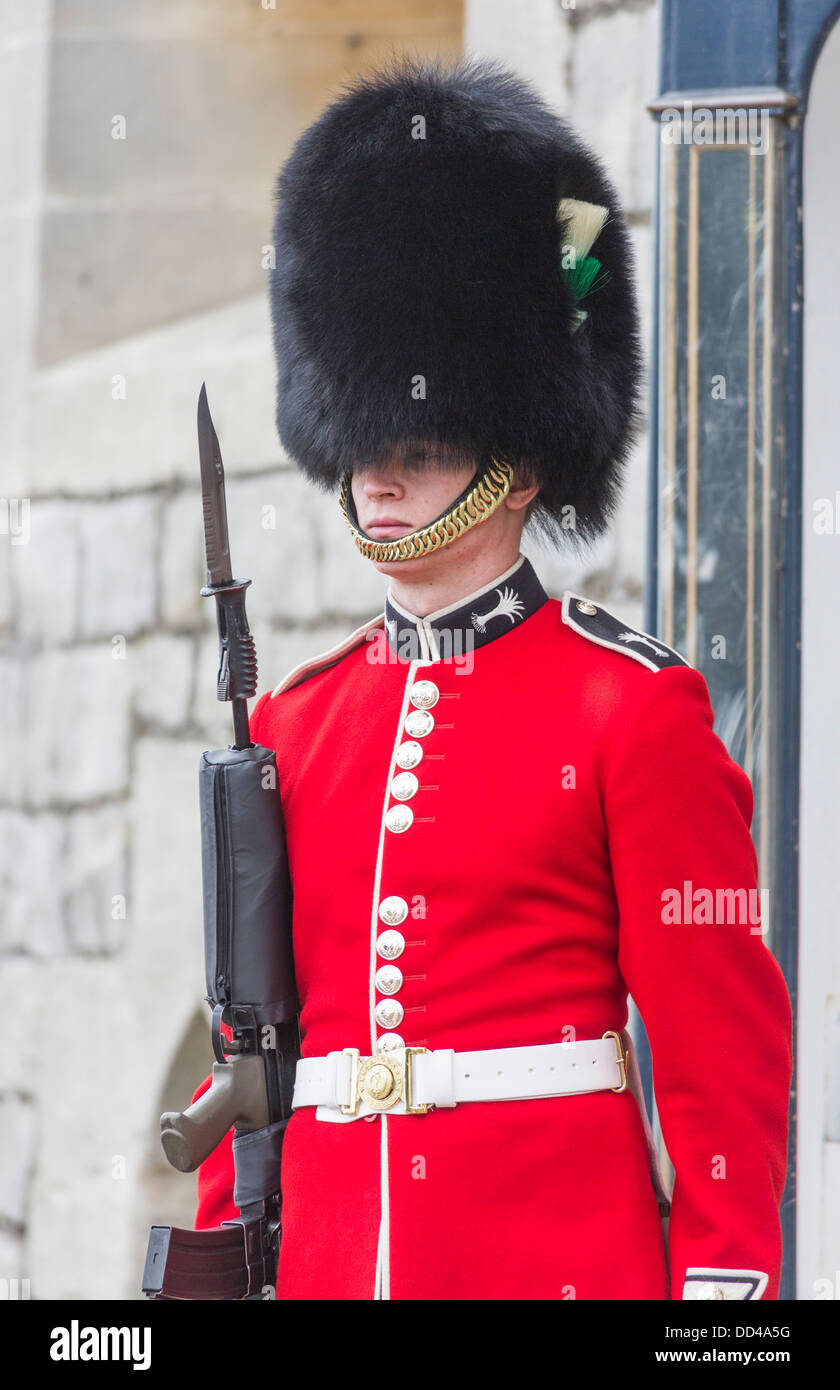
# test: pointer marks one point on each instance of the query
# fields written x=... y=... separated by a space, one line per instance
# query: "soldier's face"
x=407 y=491
x=413 y=487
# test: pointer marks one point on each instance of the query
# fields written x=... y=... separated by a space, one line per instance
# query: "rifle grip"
x=236 y=1096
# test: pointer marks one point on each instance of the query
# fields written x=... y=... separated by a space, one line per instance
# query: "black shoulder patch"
x=601 y=627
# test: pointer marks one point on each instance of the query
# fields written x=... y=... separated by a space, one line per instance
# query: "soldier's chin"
x=422 y=566
x=416 y=566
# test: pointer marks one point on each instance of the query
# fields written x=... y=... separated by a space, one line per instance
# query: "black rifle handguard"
x=247 y=893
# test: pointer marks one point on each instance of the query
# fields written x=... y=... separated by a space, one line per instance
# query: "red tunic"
x=566 y=791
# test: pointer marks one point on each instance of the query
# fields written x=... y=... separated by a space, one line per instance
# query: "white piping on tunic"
x=382 y=1280
x=385 y=1225
x=377 y=1278
x=459 y=603
x=429 y=644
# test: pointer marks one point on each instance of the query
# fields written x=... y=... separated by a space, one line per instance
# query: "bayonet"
x=237 y=678
x=216 y=542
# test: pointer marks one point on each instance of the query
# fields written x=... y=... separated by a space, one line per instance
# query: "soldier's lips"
x=387 y=529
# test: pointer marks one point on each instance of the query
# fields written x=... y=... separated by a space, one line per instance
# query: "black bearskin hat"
x=420 y=293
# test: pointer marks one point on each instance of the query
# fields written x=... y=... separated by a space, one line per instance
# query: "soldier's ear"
x=523 y=491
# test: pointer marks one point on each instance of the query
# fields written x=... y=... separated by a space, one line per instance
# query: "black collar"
x=478 y=618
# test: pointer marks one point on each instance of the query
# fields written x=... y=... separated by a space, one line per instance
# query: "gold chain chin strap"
x=480 y=502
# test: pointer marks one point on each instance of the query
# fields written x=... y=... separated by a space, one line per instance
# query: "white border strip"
x=459 y=603
x=382 y=1284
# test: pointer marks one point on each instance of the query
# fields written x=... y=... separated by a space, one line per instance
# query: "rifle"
x=249 y=967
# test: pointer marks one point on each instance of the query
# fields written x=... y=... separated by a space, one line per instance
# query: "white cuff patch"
x=742 y=1285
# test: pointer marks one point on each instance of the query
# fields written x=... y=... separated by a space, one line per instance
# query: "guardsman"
x=505 y=812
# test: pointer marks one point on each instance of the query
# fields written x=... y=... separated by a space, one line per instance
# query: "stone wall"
x=134 y=274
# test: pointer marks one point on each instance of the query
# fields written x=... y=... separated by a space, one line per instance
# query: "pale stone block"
x=124 y=268
x=350 y=584
x=82 y=439
x=164 y=958
x=92 y=1116
x=17 y=1125
x=118 y=579
x=533 y=37
x=286 y=649
x=45 y=573
x=24 y=21
x=133 y=1012
x=24 y=69
x=161 y=672
x=12 y=1265
x=31 y=860
x=614 y=75
x=23 y=982
x=99 y=910
x=13 y=745
x=197 y=136
x=166 y=898
x=18 y=299
x=77 y=720
x=6 y=584
x=182 y=563
x=280 y=19
x=274 y=542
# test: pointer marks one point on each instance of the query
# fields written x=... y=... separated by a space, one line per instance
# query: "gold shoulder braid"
x=480 y=502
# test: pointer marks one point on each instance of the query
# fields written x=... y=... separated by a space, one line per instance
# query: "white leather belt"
x=345 y=1085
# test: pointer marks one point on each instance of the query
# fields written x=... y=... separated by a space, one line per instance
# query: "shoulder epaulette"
x=603 y=628
x=316 y=664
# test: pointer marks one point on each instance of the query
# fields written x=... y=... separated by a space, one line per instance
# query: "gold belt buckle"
x=621 y=1059
x=382 y=1081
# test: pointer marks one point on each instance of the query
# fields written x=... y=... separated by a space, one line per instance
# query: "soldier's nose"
x=376 y=485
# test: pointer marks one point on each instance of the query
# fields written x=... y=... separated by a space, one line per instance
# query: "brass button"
x=389 y=1013
x=585 y=607
x=409 y=755
x=390 y=944
x=404 y=786
x=393 y=911
x=424 y=694
x=419 y=723
x=399 y=818
x=389 y=1042
x=388 y=979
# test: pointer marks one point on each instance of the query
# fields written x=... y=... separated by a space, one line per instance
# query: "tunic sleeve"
x=215 y=1175
x=712 y=996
